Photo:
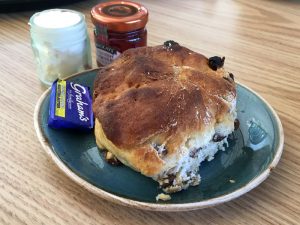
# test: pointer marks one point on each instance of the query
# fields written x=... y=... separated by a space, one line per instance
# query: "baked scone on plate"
x=163 y=110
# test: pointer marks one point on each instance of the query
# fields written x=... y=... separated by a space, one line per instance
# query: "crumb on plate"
x=163 y=197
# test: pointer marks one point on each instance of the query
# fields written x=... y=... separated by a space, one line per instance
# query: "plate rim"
x=156 y=206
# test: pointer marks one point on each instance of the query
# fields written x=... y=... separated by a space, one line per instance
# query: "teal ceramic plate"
x=254 y=150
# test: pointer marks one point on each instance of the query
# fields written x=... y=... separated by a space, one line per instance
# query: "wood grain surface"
x=261 y=42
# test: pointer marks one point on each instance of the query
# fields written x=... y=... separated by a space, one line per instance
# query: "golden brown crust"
x=154 y=94
x=143 y=159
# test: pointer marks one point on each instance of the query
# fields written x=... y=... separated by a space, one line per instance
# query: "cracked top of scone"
x=160 y=95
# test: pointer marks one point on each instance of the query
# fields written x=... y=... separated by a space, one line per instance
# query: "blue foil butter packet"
x=70 y=106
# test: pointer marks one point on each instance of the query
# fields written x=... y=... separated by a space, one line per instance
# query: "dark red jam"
x=119 y=25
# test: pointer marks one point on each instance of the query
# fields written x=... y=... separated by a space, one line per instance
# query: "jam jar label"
x=105 y=54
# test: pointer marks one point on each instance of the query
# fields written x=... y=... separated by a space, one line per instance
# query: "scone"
x=163 y=110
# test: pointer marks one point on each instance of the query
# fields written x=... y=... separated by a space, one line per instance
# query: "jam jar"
x=119 y=25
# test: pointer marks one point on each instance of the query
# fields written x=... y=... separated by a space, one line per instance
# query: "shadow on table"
x=9 y=6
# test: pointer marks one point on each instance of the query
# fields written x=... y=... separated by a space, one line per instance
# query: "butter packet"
x=70 y=106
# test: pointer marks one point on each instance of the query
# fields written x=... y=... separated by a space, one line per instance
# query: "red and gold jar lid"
x=120 y=16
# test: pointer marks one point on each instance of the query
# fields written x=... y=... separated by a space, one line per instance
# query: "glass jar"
x=60 y=44
x=119 y=25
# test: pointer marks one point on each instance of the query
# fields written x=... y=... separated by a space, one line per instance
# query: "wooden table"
x=261 y=42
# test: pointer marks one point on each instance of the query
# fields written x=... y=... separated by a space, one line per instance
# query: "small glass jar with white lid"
x=60 y=43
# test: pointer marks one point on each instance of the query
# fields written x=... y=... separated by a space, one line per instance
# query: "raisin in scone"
x=163 y=110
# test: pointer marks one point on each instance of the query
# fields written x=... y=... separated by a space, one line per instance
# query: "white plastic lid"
x=58 y=26
x=56 y=19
